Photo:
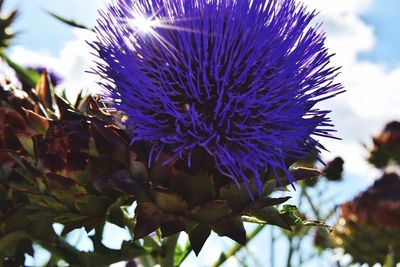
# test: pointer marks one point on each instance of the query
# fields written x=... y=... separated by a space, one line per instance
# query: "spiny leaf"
x=196 y=189
x=148 y=218
x=269 y=187
x=129 y=250
x=272 y=216
x=231 y=227
x=211 y=211
x=39 y=123
x=45 y=92
x=92 y=205
x=198 y=236
x=69 y=22
x=235 y=196
x=120 y=181
x=173 y=224
x=9 y=242
x=302 y=173
x=181 y=254
x=289 y=211
x=261 y=203
x=169 y=201
x=30 y=77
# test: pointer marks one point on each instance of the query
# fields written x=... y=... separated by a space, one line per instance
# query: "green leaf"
x=289 y=212
x=137 y=169
x=303 y=173
x=390 y=260
x=69 y=22
x=198 y=236
x=6 y=165
x=9 y=242
x=272 y=216
x=269 y=187
x=27 y=143
x=92 y=205
x=45 y=91
x=116 y=213
x=106 y=256
x=46 y=201
x=173 y=224
x=181 y=254
x=148 y=218
x=236 y=197
x=64 y=189
x=29 y=77
x=262 y=202
x=169 y=201
x=42 y=229
x=150 y=243
x=111 y=140
x=121 y=182
x=40 y=124
x=211 y=211
x=196 y=189
x=231 y=227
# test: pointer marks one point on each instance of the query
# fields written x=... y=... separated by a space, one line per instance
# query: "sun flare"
x=144 y=25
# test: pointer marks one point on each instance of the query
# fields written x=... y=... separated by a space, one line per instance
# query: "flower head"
x=55 y=78
x=369 y=225
x=238 y=80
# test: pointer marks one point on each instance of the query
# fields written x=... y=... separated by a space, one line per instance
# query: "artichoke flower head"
x=218 y=98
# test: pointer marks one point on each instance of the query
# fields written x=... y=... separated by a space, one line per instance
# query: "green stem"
x=146 y=261
x=186 y=252
x=224 y=256
x=66 y=251
x=309 y=200
x=272 y=252
x=391 y=258
x=167 y=254
x=292 y=247
x=290 y=253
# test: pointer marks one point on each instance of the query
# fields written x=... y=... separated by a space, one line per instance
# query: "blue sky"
x=364 y=34
x=386 y=21
x=34 y=25
x=39 y=31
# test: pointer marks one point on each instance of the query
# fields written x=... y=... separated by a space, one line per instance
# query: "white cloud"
x=347 y=34
x=372 y=95
x=330 y=7
x=71 y=63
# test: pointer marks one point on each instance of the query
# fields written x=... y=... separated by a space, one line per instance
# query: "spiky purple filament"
x=239 y=79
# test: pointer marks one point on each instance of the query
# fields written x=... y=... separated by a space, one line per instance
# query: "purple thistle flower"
x=55 y=78
x=236 y=79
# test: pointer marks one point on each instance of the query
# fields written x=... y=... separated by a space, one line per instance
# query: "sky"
x=364 y=35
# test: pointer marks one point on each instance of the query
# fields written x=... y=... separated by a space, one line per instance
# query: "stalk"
x=167 y=254
x=224 y=256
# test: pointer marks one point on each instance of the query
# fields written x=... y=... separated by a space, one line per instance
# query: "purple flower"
x=238 y=80
x=55 y=78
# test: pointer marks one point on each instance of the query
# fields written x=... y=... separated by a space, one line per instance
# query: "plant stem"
x=186 y=252
x=224 y=256
x=290 y=253
x=391 y=258
x=65 y=251
x=313 y=208
x=272 y=251
x=167 y=254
